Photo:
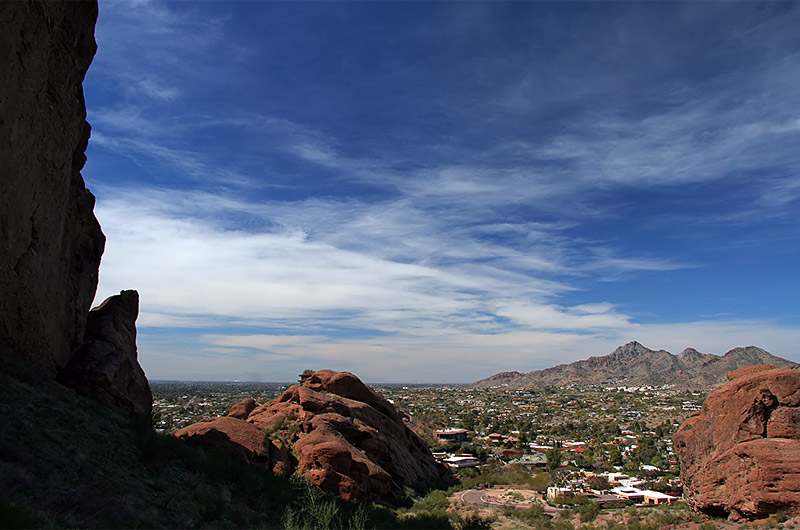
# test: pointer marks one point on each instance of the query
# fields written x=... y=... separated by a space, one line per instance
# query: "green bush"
x=433 y=502
x=315 y=510
x=589 y=511
x=533 y=514
x=540 y=482
x=425 y=521
x=571 y=500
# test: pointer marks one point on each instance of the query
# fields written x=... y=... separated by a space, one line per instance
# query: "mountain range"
x=633 y=364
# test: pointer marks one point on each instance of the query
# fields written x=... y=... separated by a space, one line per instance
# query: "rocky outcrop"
x=50 y=241
x=231 y=435
x=740 y=455
x=106 y=366
x=243 y=409
x=339 y=433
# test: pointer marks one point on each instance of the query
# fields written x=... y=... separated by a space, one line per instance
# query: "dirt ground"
x=512 y=497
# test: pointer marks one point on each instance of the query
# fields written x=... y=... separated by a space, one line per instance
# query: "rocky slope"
x=635 y=365
x=333 y=429
x=740 y=455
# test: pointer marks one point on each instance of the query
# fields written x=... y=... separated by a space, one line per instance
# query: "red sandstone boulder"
x=349 y=440
x=341 y=435
x=230 y=434
x=740 y=456
x=243 y=409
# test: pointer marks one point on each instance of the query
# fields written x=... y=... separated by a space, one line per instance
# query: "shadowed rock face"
x=336 y=431
x=740 y=455
x=106 y=366
x=233 y=435
x=50 y=241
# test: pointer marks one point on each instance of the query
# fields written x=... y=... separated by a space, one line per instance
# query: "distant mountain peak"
x=634 y=364
x=631 y=349
x=746 y=350
x=690 y=354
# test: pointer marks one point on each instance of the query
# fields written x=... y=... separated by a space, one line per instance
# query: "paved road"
x=478 y=497
x=474 y=497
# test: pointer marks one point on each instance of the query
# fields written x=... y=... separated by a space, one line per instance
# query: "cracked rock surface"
x=333 y=429
x=740 y=455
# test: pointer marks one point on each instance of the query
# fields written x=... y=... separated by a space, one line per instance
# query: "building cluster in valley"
x=614 y=444
x=607 y=443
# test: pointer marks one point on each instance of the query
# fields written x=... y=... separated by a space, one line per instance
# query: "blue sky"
x=436 y=192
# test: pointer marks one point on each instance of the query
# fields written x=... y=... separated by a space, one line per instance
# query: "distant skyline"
x=437 y=192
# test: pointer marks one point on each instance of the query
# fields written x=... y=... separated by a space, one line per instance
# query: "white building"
x=458 y=462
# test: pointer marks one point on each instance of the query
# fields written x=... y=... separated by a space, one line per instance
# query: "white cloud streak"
x=440 y=268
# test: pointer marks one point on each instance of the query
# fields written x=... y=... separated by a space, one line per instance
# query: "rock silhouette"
x=50 y=241
x=106 y=366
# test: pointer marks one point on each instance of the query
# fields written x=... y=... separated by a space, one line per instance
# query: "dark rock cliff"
x=50 y=241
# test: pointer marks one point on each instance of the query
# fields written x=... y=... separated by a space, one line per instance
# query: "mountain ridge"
x=633 y=364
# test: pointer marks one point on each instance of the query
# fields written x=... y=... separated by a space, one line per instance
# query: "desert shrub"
x=571 y=500
x=540 y=482
x=313 y=511
x=425 y=521
x=562 y=523
x=433 y=502
x=533 y=514
x=474 y=521
x=589 y=511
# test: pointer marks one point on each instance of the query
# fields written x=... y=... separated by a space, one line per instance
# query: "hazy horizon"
x=443 y=191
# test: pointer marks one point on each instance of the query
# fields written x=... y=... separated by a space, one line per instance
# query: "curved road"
x=474 y=497
x=478 y=497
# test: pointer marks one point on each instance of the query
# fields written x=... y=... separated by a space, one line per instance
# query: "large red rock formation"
x=740 y=455
x=339 y=433
x=50 y=241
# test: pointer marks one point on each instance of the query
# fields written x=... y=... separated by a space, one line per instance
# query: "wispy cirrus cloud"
x=462 y=186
